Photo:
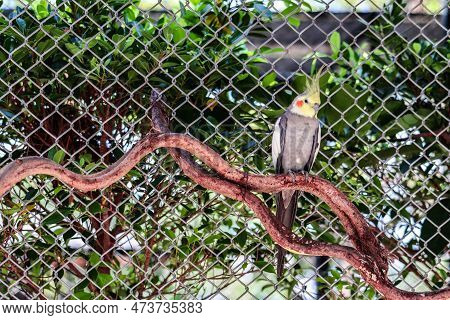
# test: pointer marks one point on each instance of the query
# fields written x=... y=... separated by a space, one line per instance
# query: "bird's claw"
x=292 y=174
x=306 y=173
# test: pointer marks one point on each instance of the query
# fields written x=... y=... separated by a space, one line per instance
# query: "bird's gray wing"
x=278 y=145
x=314 y=150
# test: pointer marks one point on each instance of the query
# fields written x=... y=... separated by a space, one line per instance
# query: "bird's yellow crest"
x=307 y=104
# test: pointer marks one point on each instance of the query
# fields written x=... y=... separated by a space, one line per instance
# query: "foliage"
x=88 y=78
x=75 y=85
x=387 y=115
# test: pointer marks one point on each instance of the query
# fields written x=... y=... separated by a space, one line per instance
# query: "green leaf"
x=12 y=210
x=346 y=104
x=170 y=233
x=379 y=187
x=408 y=121
x=260 y=162
x=179 y=34
x=324 y=78
x=328 y=237
x=127 y=43
x=85 y=158
x=53 y=219
x=92 y=43
x=130 y=14
x=294 y=22
x=40 y=9
x=306 y=5
x=169 y=64
x=268 y=50
x=142 y=65
x=104 y=279
x=94 y=259
x=269 y=80
x=436 y=228
x=416 y=47
x=241 y=238
x=264 y=266
x=336 y=275
x=299 y=83
x=59 y=155
x=272 y=113
x=43 y=46
x=95 y=208
x=212 y=238
x=293 y=9
x=74 y=50
x=48 y=238
x=83 y=284
x=335 y=44
x=90 y=166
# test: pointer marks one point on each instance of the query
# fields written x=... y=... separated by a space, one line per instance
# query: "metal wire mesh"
x=75 y=79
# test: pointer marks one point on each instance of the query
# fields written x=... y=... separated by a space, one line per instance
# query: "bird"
x=295 y=144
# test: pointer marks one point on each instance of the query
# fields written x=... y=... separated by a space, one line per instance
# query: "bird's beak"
x=316 y=107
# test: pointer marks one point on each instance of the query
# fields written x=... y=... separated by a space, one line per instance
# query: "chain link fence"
x=75 y=82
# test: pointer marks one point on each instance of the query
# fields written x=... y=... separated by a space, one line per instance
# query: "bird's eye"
x=306 y=101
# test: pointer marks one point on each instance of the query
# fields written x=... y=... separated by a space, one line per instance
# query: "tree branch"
x=368 y=256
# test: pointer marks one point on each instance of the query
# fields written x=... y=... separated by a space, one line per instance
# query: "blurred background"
x=75 y=81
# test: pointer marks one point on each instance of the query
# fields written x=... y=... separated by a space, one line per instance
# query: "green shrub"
x=75 y=87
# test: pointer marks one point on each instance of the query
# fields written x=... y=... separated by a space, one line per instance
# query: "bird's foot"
x=292 y=174
x=306 y=174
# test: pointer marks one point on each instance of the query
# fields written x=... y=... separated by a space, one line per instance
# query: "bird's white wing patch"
x=276 y=142
x=316 y=152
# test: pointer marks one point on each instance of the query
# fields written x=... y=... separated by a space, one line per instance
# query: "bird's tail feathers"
x=286 y=210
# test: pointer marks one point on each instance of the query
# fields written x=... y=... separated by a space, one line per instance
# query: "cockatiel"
x=295 y=144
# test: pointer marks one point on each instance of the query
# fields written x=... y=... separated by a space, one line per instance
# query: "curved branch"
x=367 y=257
x=352 y=220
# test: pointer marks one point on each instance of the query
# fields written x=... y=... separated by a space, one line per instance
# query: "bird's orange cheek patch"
x=299 y=103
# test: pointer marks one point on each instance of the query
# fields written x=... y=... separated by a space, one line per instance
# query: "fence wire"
x=75 y=81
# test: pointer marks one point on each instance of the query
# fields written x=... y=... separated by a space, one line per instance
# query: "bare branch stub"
x=367 y=256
